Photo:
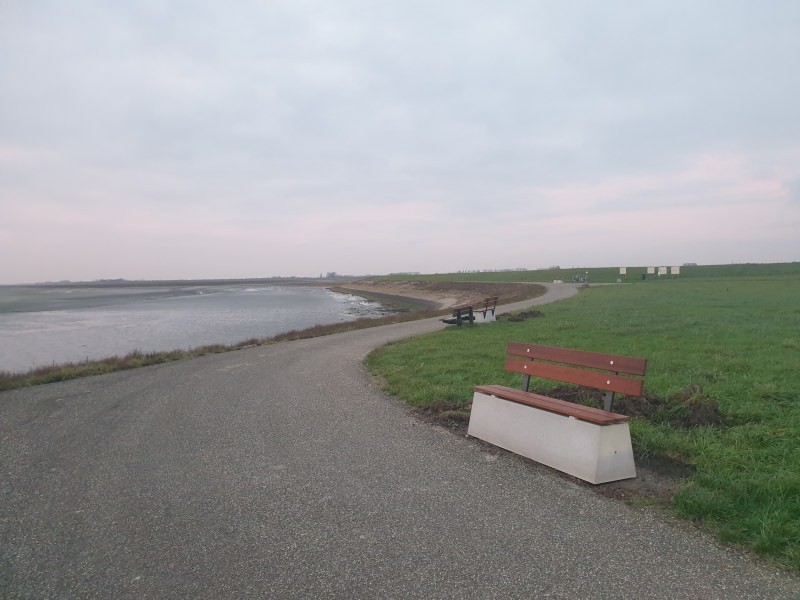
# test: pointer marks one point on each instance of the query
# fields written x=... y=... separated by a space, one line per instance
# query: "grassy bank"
x=611 y=274
x=730 y=346
x=393 y=303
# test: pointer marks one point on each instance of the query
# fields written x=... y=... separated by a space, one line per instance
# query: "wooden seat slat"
x=584 y=413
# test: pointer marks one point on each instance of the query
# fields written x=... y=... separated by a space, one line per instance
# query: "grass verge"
x=634 y=274
x=728 y=346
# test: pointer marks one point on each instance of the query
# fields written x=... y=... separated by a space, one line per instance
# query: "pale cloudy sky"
x=186 y=139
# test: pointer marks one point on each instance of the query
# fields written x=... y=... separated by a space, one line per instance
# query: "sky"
x=255 y=138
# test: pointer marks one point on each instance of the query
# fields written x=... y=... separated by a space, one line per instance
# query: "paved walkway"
x=282 y=472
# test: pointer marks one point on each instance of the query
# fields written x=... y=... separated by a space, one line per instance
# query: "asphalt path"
x=284 y=472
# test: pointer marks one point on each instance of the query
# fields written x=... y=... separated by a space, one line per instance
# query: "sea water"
x=42 y=326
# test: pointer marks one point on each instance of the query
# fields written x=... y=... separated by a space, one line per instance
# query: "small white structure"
x=484 y=316
x=594 y=453
x=484 y=312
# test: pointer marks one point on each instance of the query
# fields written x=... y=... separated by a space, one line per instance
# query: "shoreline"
x=434 y=295
x=395 y=302
x=430 y=300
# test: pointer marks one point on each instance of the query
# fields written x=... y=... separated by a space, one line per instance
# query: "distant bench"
x=488 y=308
x=468 y=313
x=590 y=443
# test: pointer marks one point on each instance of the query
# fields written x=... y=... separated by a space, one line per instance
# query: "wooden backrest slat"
x=580 y=358
x=595 y=379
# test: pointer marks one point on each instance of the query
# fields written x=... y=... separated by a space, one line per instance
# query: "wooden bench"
x=592 y=444
x=461 y=314
x=469 y=313
x=488 y=308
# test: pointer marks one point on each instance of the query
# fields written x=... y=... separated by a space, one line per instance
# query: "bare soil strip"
x=442 y=295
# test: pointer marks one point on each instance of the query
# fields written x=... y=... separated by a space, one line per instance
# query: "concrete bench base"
x=594 y=453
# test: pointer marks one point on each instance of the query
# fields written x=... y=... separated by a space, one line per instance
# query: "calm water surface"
x=43 y=326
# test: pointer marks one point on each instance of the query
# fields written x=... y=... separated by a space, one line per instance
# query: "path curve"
x=283 y=472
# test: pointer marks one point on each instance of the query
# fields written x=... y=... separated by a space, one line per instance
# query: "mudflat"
x=440 y=295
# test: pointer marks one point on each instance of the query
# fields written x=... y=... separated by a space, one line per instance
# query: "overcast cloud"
x=186 y=139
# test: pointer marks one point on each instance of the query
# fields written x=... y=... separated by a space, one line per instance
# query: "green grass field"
x=735 y=338
x=611 y=274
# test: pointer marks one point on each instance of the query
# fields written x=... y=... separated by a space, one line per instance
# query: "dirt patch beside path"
x=447 y=294
x=656 y=482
